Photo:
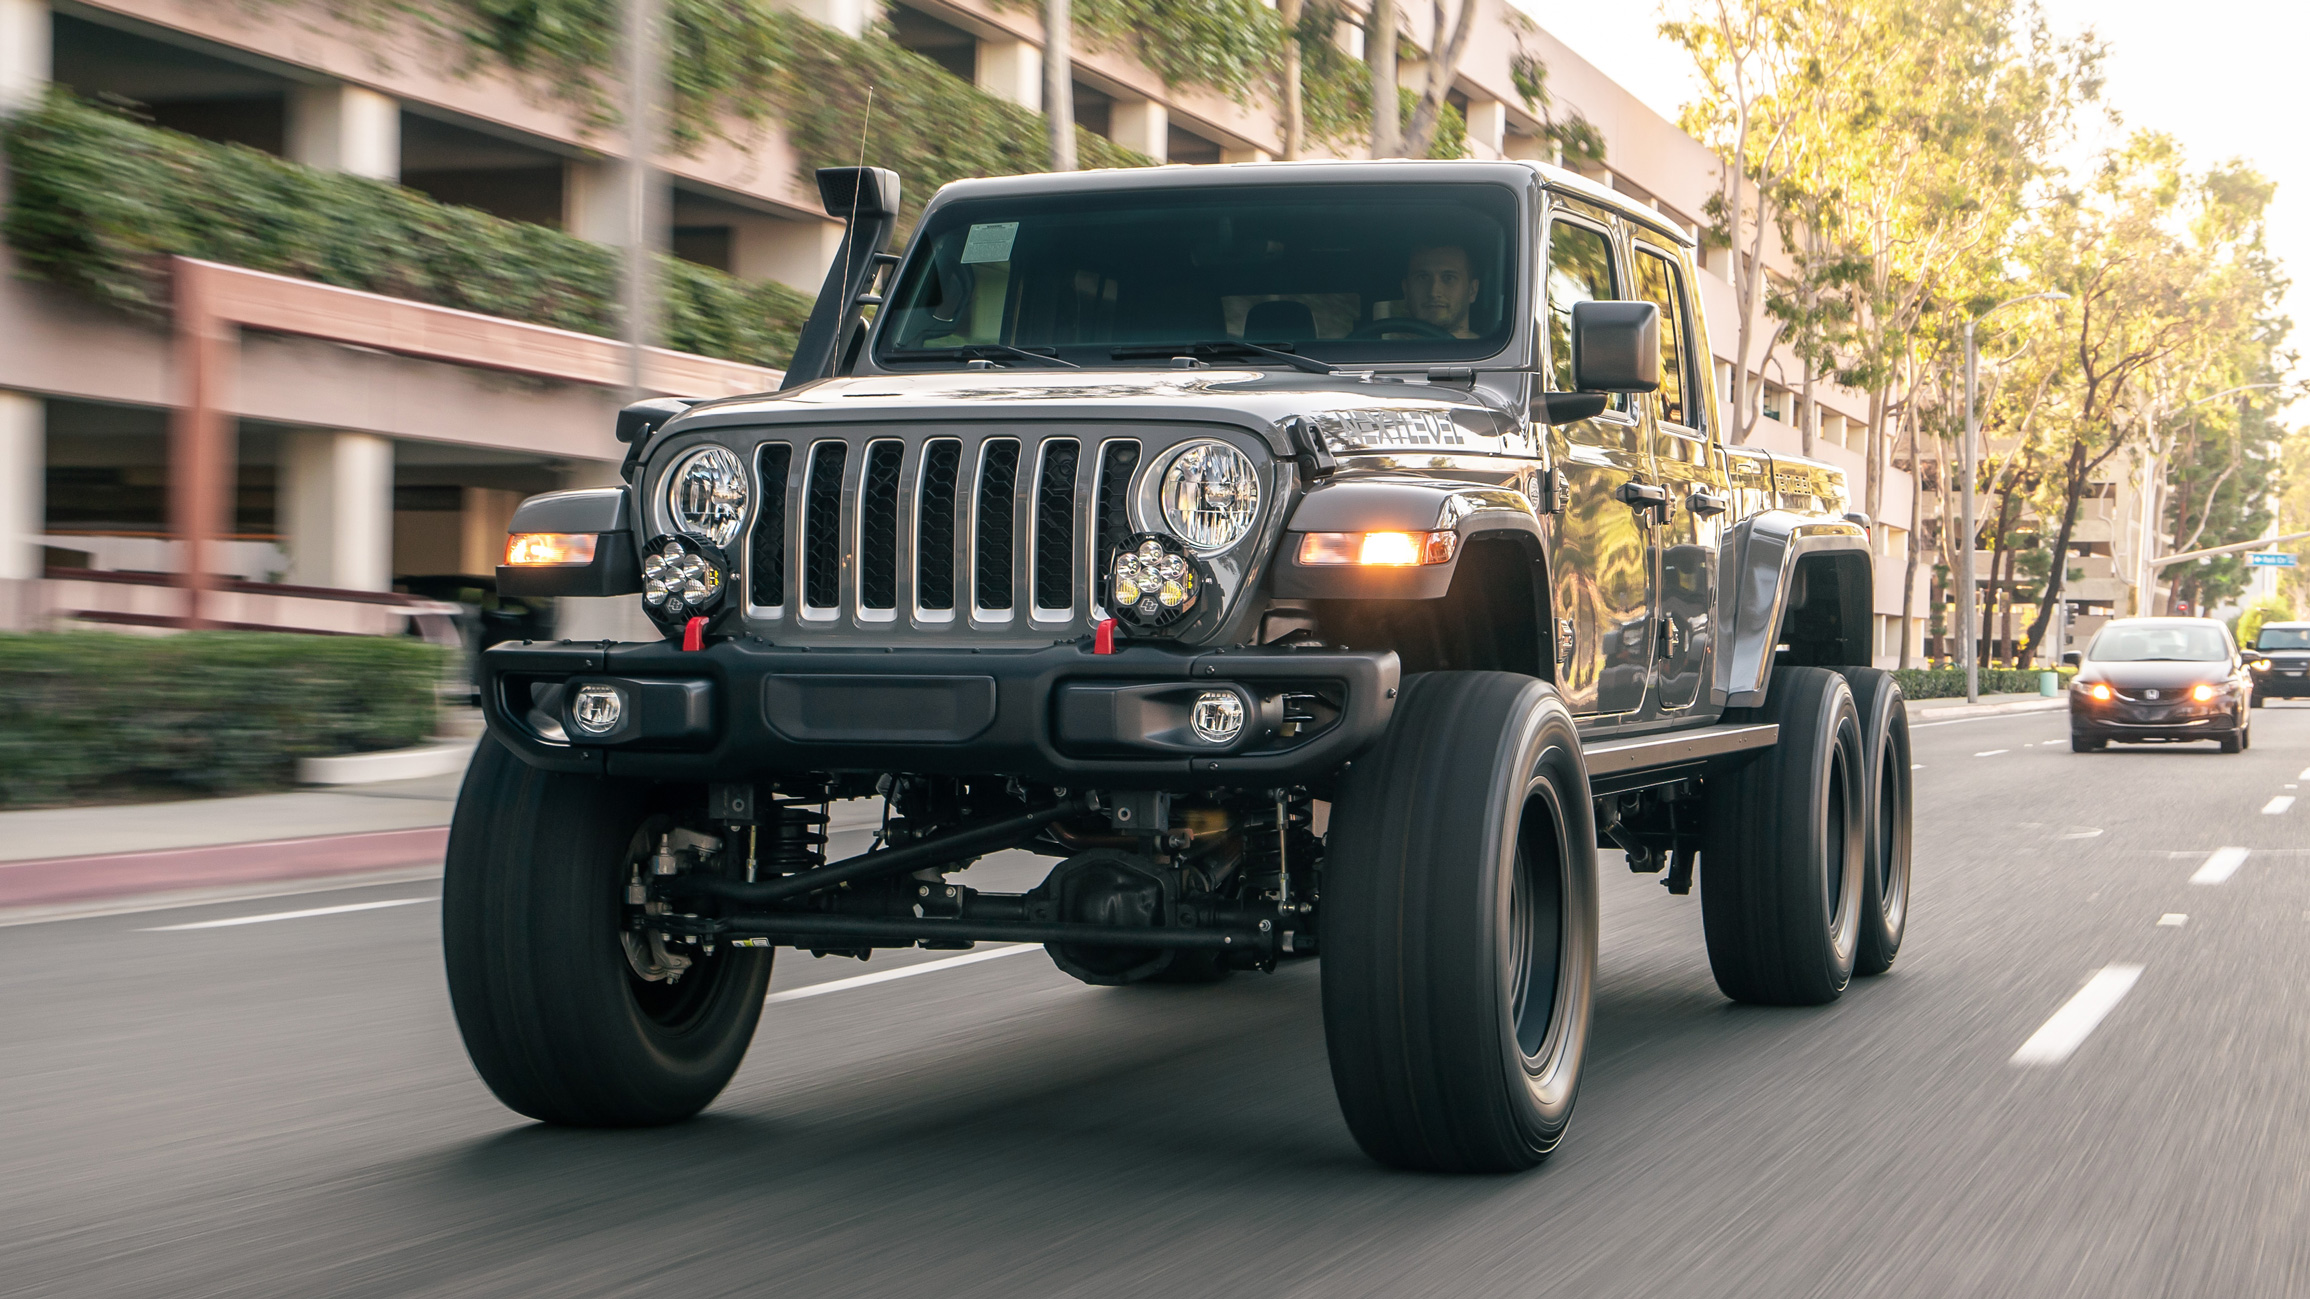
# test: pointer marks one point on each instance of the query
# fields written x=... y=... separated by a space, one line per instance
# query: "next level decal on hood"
x=1385 y=427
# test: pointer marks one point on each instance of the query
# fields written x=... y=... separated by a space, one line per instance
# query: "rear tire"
x=1781 y=873
x=1887 y=809
x=556 y=1017
x=1459 y=927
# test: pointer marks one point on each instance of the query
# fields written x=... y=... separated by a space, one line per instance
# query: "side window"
x=1663 y=286
x=1579 y=270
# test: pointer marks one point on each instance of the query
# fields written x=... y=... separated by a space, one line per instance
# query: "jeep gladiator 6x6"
x=1317 y=560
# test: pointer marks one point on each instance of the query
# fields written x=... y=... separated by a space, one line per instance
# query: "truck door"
x=1691 y=467
x=1604 y=563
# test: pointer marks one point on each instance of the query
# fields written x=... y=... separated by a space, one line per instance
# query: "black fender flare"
x=1757 y=569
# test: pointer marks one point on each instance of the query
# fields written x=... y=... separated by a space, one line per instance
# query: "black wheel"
x=2235 y=741
x=2256 y=702
x=568 y=1016
x=1886 y=812
x=1781 y=875
x=2080 y=744
x=1459 y=927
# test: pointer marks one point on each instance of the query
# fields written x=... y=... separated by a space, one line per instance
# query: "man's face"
x=1439 y=288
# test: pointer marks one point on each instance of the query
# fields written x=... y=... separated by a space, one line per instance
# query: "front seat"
x=1281 y=321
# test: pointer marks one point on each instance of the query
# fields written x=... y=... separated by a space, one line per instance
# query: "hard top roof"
x=1316 y=172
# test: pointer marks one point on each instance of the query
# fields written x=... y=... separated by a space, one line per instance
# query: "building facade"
x=350 y=463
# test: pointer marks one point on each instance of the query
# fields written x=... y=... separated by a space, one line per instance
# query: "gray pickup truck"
x=1314 y=560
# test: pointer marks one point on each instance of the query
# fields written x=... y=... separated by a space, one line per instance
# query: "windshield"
x=2171 y=643
x=2283 y=638
x=1337 y=273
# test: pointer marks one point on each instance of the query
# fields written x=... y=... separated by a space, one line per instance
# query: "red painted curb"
x=80 y=879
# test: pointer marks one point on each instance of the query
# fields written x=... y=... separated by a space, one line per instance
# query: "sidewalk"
x=1950 y=710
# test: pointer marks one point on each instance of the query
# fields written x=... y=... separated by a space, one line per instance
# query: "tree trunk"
x=2073 y=491
x=1294 y=104
x=1443 y=66
x=1059 y=81
x=1909 y=539
x=1387 y=106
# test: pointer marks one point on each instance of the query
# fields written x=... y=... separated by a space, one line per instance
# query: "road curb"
x=391 y=764
x=1920 y=712
x=67 y=881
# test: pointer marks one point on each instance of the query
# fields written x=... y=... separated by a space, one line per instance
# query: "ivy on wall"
x=98 y=200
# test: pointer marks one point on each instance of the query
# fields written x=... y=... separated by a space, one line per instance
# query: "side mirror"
x=1568 y=407
x=2072 y=659
x=1615 y=346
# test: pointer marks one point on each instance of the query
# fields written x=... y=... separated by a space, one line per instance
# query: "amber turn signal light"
x=1378 y=549
x=550 y=549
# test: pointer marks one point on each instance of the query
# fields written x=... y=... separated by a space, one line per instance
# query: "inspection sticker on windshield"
x=990 y=243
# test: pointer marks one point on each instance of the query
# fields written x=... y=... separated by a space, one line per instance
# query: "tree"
x=1380 y=53
x=1294 y=93
x=1396 y=133
x=2161 y=264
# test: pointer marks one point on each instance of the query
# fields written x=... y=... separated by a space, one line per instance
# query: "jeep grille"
x=859 y=536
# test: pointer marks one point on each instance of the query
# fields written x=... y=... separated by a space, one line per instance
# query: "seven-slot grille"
x=881 y=529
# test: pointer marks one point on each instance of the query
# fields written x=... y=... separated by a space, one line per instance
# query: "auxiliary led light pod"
x=1152 y=582
x=682 y=578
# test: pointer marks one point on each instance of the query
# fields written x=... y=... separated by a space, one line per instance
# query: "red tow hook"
x=694 y=634
x=1103 y=640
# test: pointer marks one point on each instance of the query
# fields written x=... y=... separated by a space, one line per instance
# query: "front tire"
x=1780 y=883
x=1887 y=810
x=1459 y=927
x=2080 y=744
x=562 y=1023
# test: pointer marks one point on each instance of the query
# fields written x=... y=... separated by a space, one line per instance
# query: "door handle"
x=1704 y=503
x=1645 y=496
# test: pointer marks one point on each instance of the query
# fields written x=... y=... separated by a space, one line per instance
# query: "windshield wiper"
x=977 y=352
x=1292 y=359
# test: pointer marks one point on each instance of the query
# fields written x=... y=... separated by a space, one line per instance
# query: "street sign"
x=2269 y=559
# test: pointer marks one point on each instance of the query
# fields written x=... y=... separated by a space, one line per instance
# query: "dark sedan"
x=2161 y=679
x=2281 y=661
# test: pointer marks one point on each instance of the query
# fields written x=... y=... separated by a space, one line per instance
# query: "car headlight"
x=1209 y=493
x=706 y=495
x=2204 y=694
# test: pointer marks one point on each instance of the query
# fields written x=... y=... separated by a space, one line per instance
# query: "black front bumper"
x=741 y=709
x=2122 y=720
x=2282 y=685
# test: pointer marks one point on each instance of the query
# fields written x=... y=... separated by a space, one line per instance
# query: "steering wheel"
x=1401 y=325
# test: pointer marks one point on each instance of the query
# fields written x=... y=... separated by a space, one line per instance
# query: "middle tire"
x=1887 y=813
x=1459 y=927
x=1781 y=872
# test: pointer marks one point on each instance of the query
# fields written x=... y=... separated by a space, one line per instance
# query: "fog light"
x=1217 y=716
x=597 y=709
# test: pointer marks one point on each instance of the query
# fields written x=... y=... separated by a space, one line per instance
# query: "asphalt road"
x=283 y=1108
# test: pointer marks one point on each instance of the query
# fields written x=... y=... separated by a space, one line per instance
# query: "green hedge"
x=1949 y=683
x=98 y=200
x=94 y=716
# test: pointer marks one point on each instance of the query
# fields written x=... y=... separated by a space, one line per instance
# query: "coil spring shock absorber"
x=795 y=834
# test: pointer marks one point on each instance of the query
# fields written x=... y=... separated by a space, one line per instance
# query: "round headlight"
x=706 y=495
x=1209 y=494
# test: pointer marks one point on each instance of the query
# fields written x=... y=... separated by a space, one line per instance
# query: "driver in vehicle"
x=1439 y=287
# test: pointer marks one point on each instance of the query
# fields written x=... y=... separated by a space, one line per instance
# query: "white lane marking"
x=2077 y=1019
x=2221 y=866
x=1991 y=753
x=2277 y=805
x=2173 y=918
x=903 y=972
x=2305 y=774
x=2081 y=834
x=290 y=915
